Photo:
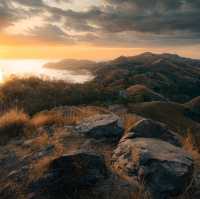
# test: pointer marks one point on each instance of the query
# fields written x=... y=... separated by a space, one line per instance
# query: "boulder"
x=101 y=126
x=147 y=128
x=70 y=173
x=165 y=170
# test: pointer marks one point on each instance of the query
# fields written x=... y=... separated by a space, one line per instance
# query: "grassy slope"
x=173 y=114
x=175 y=78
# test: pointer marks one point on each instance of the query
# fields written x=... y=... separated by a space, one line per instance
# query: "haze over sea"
x=34 y=67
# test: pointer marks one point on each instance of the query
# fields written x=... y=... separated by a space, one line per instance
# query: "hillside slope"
x=176 y=78
x=178 y=117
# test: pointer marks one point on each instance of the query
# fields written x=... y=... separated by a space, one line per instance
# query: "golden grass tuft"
x=46 y=119
x=12 y=124
x=141 y=193
x=189 y=144
x=39 y=168
x=40 y=141
x=129 y=120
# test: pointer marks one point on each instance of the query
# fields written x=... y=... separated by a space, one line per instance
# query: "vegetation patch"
x=12 y=125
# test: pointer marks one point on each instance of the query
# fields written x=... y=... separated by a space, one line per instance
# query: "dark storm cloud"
x=151 y=16
x=157 y=16
x=159 y=21
x=146 y=16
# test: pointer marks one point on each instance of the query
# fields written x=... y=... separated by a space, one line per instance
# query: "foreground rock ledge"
x=69 y=174
x=101 y=126
x=166 y=169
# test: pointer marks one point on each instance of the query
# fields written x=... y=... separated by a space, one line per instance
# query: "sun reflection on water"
x=23 y=68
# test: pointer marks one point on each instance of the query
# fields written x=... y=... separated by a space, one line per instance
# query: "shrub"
x=34 y=94
x=12 y=124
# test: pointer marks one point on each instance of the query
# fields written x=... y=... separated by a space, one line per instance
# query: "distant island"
x=72 y=65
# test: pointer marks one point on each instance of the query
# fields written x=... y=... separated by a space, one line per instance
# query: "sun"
x=1 y=75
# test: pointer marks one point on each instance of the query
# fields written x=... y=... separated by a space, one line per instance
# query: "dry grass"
x=129 y=120
x=62 y=116
x=12 y=124
x=141 y=193
x=39 y=167
x=13 y=190
x=34 y=94
x=46 y=119
x=172 y=114
x=41 y=140
x=189 y=144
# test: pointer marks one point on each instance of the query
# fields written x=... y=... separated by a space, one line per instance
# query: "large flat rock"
x=165 y=169
x=68 y=174
x=101 y=126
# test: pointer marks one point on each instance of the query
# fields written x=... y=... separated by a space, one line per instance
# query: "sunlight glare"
x=31 y=67
x=1 y=75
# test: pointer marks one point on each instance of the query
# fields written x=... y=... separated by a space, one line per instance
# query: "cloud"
x=5 y=15
x=30 y=3
x=116 y=22
x=51 y=33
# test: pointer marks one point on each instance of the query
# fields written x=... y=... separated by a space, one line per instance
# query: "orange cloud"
x=83 y=52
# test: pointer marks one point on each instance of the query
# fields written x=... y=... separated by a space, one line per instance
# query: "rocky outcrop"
x=70 y=173
x=166 y=170
x=147 y=128
x=101 y=126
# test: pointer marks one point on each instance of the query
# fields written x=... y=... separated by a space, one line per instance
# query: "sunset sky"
x=98 y=29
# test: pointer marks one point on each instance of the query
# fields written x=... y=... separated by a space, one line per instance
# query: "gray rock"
x=28 y=143
x=165 y=169
x=147 y=128
x=70 y=173
x=101 y=126
x=44 y=152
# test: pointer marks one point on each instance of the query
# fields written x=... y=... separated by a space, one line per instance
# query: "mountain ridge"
x=83 y=62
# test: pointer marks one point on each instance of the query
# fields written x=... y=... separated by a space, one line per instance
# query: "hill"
x=175 y=77
x=178 y=117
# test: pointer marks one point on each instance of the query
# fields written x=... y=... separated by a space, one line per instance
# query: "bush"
x=34 y=94
x=12 y=125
